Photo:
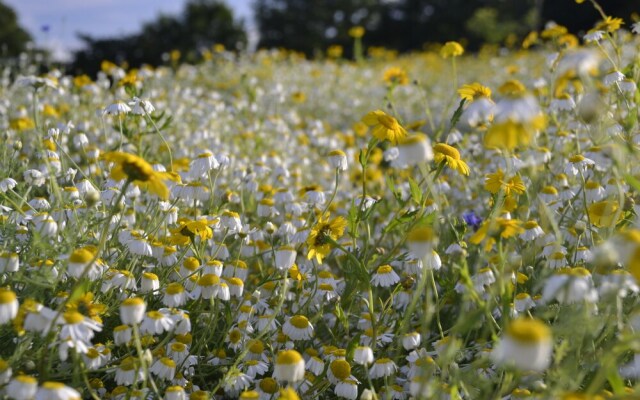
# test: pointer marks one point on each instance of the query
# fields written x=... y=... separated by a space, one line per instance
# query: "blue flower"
x=471 y=219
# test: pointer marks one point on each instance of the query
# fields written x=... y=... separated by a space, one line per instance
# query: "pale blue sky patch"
x=55 y=23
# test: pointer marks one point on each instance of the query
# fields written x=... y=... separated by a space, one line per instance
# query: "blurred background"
x=80 y=33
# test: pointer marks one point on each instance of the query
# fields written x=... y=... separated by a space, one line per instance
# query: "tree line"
x=311 y=26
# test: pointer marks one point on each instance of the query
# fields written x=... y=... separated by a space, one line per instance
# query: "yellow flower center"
x=209 y=280
x=269 y=385
x=385 y=269
x=133 y=301
x=299 y=321
x=73 y=317
x=53 y=385
x=340 y=369
x=7 y=296
x=174 y=288
x=288 y=357
x=528 y=330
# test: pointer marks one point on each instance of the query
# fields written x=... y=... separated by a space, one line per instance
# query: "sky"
x=55 y=23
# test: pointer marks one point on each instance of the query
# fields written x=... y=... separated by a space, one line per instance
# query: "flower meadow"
x=439 y=225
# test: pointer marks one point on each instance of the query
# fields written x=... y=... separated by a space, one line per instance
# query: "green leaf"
x=457 y=114
x=416 y=192
x=78 y=291
x=362 y=158
x=632 y=181
x=616 y=382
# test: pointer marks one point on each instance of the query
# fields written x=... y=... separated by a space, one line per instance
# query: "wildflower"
x=497 y=181
x=339 y=370
x=128 y=372
x=298 y=327
x=8 y=305
x=207 y=287
x=79 y=328
x=382 y=368
x=451 y=157
x=287 y=394
x=149 y=282
x=474 y=91
x=604 y=213
x=338 y=160
x=479 y=107
x=122 y=334
x=356 y=32
x=156 y=323
x=526 y=345
x=451 y=49
x=289 y=366
x=56 y=391
x=80 y=260
x=190 y=230
x=411 y=340
x=231 y=220
x=414 y=150
x=532 y=231
x=249 y=395
x=267 y=387
x=175 y=295
x=570 y=285
x=7 y=184
x=395 y=76
x=117 y=108
x=517 y=119
x=22 y=387
x=323 y=231
x=175 y=393
x=164 y=368
x=420 y=241
x=385 y=127
x=523 y=302
x=347 y=389
x=363 y=355
x=609 y=24
x=385 y=276
x=141 y=107
x=132 y=311
x=285 y=257
x=134 y=168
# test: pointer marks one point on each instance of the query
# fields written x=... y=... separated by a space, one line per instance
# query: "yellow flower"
x=107 y=66
x=451 y=49
x=507 y=227
x=134 y=168
x=530 y=40
x=474 y=91
x=288 y=394
x=396 y=75
x=610 y=24
x=356 y=32
x=451 y=156
x=385 y=127
x=510 y=134
x=494 y=182
x=553 y=31
x=81 y=80
x=319 y=246
x=188 y=230
x=602 y=213
x=22 y=124
x=334 y=51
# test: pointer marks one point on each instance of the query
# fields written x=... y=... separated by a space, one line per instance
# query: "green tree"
x=201 y=24
x=13 y=38
x=310 y=26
